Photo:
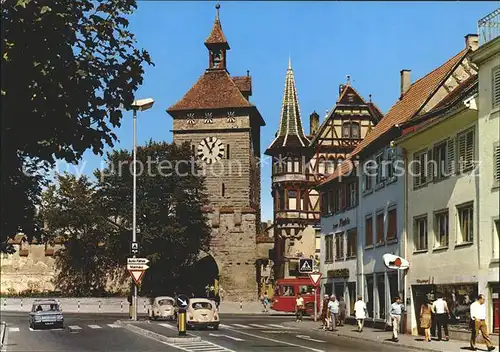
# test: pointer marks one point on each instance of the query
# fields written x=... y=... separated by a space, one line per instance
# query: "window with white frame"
x=496 y=87
x=420 y=232
x=352 y=194
x=496 y=164
x=367 y=175
x=339 y=246
x=391 y=160
x=329 y=248
x=440 y=160
x=292 y=200
x=496 y=239
x=466 y=223
x=441 y=228
x=465 y=142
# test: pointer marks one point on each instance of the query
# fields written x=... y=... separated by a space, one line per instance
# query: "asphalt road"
x=92 y=332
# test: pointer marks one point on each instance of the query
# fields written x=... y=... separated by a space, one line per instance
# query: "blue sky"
x=369 y=41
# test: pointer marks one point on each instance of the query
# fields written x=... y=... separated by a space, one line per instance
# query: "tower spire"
x=217 y=7
x=290 y=133
x=289 y=62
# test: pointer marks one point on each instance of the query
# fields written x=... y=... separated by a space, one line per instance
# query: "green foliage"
x=67 y=67
x=95 y=219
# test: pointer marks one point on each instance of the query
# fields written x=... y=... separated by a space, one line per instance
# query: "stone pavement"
x=384 y=337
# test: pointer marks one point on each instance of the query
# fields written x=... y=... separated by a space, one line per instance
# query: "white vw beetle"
x=163 y=307
x=202 y=313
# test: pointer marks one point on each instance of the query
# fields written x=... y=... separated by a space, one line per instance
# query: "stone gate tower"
x=216 y=117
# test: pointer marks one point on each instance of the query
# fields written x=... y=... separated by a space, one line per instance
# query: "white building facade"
x=487 y=57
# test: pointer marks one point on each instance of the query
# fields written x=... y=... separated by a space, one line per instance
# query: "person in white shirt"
x=442 y=313
x=299 y=307
x=360 y=312
x=478 y=323
x=333 y=307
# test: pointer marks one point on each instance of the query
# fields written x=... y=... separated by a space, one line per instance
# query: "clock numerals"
x=211 y=150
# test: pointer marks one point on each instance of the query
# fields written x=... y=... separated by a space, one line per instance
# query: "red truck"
x=286 y=291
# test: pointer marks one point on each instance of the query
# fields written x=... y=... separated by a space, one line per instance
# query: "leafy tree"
x=170 y=197
x=67 y=66
x=72 y=211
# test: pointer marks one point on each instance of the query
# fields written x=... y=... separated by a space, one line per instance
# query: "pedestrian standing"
x=360 y=312
x=325 y=318
x=442 y=313
x=333 y=307
x=395 y=313
x=478 y=323
x=426 y=319
x=299 y=307
x=265 y=301
x=342 y=311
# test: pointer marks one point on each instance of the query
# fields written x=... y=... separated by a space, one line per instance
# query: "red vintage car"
x=286 y=291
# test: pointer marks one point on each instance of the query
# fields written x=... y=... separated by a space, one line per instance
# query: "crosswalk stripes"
x=114 y=326
x=281 y=326
x=256 y=326
x=259 y=326
x=14 y=329
x=94 y=326
x=199 y=346
x=74 y=327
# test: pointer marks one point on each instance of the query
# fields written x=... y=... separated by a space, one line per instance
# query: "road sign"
x=182 y=301
x=305 y=265
x=137 y=261
x=392 y=261
x=315 y=277
x=137 y=275
x=134 y=247
x=137 y=267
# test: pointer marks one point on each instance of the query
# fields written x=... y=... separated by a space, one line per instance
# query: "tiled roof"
x=216 y=36
x=214 y=90
x=457 y=95
x=344 y=169
x=244 y=83
x=290 y=132
x=413 y=100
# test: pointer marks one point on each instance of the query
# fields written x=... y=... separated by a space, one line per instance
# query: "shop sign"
x=338 y=273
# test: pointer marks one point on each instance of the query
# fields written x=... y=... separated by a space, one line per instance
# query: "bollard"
x=21 y=303
x=241 y=304
x=144 y=306
x=121 y=306
x=4 y=302
x=181 y=322
x=78 y=305
x=99 y=306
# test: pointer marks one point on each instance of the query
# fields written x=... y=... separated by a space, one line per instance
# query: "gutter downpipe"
x=405 y=238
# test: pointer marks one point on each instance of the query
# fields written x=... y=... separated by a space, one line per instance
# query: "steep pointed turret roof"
x=217 y=36
x=290 y=132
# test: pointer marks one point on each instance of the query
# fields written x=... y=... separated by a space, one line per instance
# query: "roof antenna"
x=370 y=96
x=348 y=77
x=217 y=7
x=248 y=73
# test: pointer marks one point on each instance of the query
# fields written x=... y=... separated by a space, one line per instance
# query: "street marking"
x=168 y=326
x=277 y=341
x=198 y=346
x=229 y=337
x=114 y=326
x=94 y=326
x=308 y=338
x=242 y=326
x=282 y=327
x=74 y=327
x=259 y=326
x=13 y=329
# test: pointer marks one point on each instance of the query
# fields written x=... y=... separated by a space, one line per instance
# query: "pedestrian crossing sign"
x=305 y=265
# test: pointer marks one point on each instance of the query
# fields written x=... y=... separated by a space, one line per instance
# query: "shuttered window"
x=380 y=228
x=352 y=243
x=496 y=87
x=339 y=246
x=466 y=153
x=391 y=224
x=451 y=156
x=420 y=169
x=369 y=231
x=329 y=248
x=496 y=163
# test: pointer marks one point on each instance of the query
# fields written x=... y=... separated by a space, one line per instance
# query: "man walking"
x=478 y=323
x=442 y=313
x=299 y=307
x=333 y=307
x=360 y=311
x=395 y=313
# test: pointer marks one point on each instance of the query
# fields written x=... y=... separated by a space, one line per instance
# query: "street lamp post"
x=137 y=105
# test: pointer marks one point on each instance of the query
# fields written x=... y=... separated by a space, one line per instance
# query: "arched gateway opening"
x=204 y=277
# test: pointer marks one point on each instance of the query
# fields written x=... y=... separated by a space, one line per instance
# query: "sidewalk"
x=380 y=336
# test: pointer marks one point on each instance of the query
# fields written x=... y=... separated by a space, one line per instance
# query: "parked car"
x=163 y=307
x=202 y=313
x=46 y=313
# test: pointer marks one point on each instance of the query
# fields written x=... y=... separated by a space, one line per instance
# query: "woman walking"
x=325 y=318
x=426 y=319
x=342 y=311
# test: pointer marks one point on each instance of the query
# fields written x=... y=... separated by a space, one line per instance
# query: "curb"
x=156 y=336
x=361 y=337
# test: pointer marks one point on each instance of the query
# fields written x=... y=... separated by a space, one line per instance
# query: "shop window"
x=351 y=287
x=393 y=285
x=381 y=295
x=466 y=223
x=369 y=299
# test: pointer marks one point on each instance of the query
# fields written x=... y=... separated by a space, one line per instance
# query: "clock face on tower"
x=210 y=150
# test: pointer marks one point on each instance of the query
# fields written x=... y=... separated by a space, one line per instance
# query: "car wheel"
x=216 y=327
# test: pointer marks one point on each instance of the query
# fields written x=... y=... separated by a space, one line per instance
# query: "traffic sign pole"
x=134 y=206
x=315 y=305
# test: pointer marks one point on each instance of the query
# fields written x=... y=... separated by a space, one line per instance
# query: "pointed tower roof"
x=290 y=133
x=216 y=36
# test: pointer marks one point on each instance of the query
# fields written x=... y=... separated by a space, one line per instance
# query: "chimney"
x=472 y=41
x=405 y=81
x=313 y=123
